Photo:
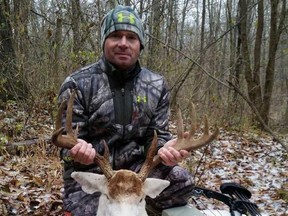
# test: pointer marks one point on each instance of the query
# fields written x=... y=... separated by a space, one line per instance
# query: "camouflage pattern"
x=93 y=112
x=122 y=18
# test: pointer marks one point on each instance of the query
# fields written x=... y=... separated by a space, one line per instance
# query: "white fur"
x=128 y=205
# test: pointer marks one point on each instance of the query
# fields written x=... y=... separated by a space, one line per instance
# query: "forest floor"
x=31 y=177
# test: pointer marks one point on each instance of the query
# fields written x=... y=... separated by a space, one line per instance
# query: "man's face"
x=122 y=49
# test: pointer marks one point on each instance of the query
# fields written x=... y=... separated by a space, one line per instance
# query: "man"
x=122 y=103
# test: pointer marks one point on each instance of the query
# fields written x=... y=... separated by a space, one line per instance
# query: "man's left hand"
x=169 y=155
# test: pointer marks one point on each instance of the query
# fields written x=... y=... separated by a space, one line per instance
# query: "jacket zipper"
x=121 y=113
x=122 y=110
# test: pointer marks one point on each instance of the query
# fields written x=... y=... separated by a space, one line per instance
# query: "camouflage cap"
x=122 y=18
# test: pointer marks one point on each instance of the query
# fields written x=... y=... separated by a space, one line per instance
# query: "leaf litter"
x=255 y=162
x=31 y=182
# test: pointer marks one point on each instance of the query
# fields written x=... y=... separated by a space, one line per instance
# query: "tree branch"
x=260 y=119
x=194 y=62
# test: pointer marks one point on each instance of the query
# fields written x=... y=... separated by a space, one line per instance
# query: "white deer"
x=123 y=192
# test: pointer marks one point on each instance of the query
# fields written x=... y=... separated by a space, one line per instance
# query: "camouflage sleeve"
x=159 y=121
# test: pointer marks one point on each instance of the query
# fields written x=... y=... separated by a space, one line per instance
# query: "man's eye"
x=132 y=37
x=114 y=36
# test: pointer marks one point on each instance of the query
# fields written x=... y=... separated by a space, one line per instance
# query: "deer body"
x=124 y=194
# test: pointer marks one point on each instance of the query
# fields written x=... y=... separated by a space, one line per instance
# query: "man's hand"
x=83 y=152
x=169 y=155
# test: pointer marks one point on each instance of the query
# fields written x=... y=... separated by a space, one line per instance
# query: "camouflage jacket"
x=145 y=98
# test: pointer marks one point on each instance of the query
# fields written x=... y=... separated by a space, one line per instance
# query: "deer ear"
x=153 y=187
x=90 y=182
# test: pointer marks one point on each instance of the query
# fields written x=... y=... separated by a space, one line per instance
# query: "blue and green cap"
x=122 y=18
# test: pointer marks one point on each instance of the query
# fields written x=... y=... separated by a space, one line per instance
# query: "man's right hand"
x=83 y=152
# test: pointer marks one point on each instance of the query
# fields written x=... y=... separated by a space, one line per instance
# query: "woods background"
x=211 y=52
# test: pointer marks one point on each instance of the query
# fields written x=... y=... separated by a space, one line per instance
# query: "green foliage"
x=19 y=127
x=12 y=122
x=2 y=83
x=3 y=140
x=283 y=193
x=20 y=148
x=3 y=92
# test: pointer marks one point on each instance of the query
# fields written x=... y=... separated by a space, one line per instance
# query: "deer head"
x=123 y=192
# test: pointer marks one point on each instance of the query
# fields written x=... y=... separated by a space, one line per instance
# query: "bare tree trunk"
x=76 y=15
x=170 y=22
x=100 y=16
x=262 y=102
x=202 y=29
x=57 y=48
x=141 y=8
x=21 y=39
x=251 y=76
x=198 y=76
x=276 y=28
x=12 y=86
x=154 y=29
x=183 y=18
x=286 y=109
x=235 y=59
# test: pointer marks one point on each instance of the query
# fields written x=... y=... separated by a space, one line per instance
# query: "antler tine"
x=180 y=126
x=103 y=161
x=69 y=129
x=58 y=123
x=69 y=140
x=189 y=143
x=149 y=163
x=193 y=120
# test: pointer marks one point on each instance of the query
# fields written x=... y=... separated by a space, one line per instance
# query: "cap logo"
x=131 y=18
x=141 y=99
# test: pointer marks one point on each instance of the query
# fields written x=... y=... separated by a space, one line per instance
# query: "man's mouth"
x=122 y=54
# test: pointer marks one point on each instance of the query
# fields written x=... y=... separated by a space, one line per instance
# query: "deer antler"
x=148 y=164
x=103 y=162
x=188 y=143
x=69 y=140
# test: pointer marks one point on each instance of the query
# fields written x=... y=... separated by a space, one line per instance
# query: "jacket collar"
x=121 y=76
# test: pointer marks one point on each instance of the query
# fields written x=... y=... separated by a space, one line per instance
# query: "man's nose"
x=123 y=41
